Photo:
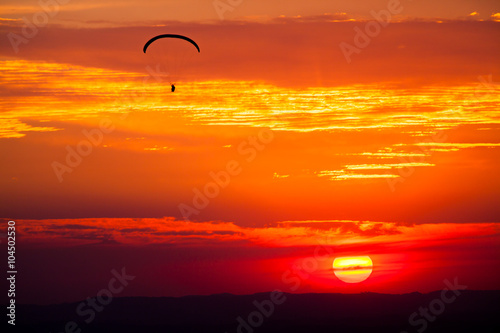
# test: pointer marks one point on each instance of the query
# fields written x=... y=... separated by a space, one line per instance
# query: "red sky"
x=175 y=258
x=393 y=155
x=287 y=51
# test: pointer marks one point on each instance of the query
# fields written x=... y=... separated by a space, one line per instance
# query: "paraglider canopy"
x=170 y=36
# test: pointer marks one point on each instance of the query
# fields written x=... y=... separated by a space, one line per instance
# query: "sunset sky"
x=277 y=153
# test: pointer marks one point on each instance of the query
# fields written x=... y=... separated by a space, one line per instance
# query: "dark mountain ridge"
x=450 y=311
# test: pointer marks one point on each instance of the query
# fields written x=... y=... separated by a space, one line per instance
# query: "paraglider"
x=171 y=51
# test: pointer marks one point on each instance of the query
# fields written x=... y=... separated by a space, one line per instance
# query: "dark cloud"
x=197 y=233
x=74 y=227
x=130 y=230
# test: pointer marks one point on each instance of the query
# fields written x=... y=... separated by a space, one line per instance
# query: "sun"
x=352 y=269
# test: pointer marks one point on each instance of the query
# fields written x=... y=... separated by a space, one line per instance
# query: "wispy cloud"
x=93 y=91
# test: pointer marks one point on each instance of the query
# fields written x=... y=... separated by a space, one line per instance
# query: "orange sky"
x=271 y=141
x=112 y=12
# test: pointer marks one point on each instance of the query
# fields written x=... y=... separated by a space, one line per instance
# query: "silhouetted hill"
x=471 y=311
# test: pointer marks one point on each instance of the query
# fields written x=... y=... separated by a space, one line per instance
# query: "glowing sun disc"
x=352 y=269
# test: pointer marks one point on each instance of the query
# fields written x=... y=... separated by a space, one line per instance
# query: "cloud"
x=347 y=227
x=452 y=146
x=74 y=227
x=285 y=234
x=4 y=20
x=66 y=91
x=127 y=230
x=198 y=233
x=327 y=17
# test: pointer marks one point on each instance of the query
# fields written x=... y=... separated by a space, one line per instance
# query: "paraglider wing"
x=170 y=36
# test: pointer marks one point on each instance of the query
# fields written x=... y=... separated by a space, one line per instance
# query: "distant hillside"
x=471 y=311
